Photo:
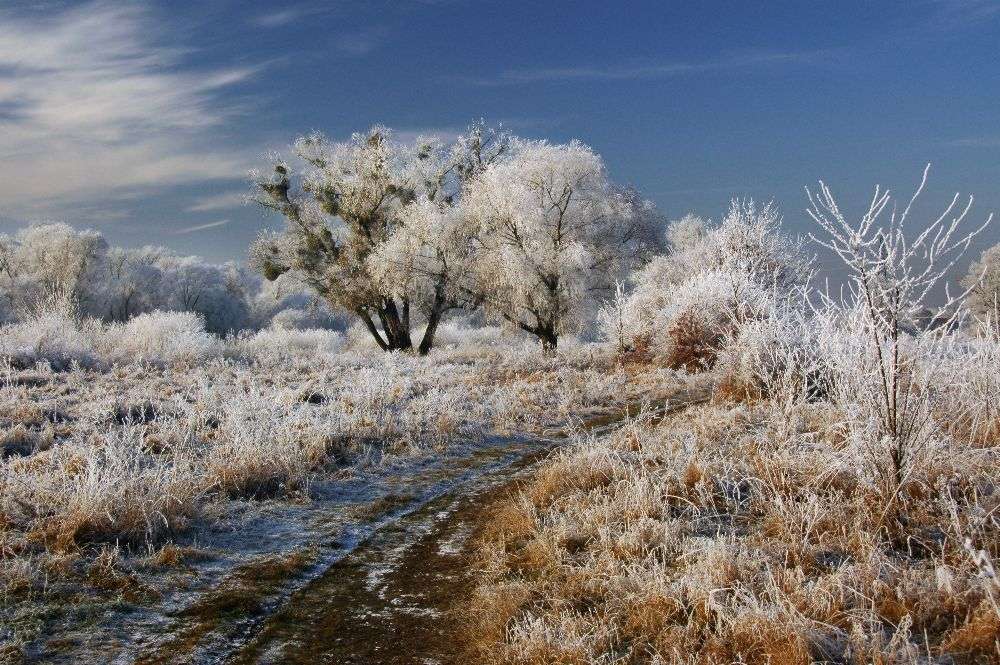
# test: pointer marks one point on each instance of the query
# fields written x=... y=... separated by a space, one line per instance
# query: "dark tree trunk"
x=550 y=341
x=396 y=334
x=366 y=317
x=437 y=310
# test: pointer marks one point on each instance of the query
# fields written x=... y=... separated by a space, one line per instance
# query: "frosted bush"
x=971 y=408
x=108 y=490
x=51 y=337
x=458 y=334
x=713 y=280
x=162 y=337
x=688 y=324
x=774 y=352
x=278 y=344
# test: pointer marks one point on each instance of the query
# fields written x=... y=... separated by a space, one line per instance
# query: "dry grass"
x=713 y=538
x=131 y=455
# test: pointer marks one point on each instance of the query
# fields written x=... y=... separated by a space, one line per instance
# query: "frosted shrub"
x=774 y=354
x=971 y=407
x=687 y=324
x=52 y=337
x=458 y=332
x=887 y=378
x=262 y=447
x=712 y=280
x=162 y=337
x=279 y=344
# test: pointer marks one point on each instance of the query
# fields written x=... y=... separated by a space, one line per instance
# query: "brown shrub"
x=693 y=346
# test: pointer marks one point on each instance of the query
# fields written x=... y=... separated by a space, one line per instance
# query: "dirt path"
x=391 y=600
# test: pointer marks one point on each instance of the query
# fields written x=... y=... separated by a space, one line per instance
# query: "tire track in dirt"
x=393 y=599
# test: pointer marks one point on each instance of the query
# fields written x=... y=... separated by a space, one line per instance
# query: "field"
x=743 y=467
x=113 y=471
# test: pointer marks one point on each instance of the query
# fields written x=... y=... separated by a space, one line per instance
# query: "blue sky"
x=141 y=119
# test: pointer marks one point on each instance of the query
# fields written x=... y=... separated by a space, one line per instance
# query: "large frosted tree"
x=552 y=236
x=371 y=226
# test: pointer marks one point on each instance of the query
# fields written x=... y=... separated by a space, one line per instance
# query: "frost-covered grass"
x=721 y=536
x=127 y=434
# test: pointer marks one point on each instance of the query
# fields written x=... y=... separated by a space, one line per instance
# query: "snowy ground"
x=159 y=506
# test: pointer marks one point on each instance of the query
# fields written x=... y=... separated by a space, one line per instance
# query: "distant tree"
x=552 y=236
x=132 y=282
x=370 y=225
x=983 y=284
x=51 y=265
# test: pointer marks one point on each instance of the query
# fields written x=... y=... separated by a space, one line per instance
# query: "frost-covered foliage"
x=50 y=263
x=371 y=226
x=280 y=343
x=51 y=337
x=887 y=377
x=533 y=232
x=721 y=536
x=134 y=452
x=163 y=338
x=552 y=232
x=54 y=268
x=712 y=280
x=836 y=502
x=983 y=283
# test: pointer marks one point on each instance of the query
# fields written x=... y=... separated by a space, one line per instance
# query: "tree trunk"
x=397 y=334
x=550 y=341
x=366 y=317
x=427 y=342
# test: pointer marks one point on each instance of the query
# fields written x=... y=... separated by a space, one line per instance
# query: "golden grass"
x=708 y=538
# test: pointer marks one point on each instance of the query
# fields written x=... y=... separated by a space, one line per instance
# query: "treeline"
x=53 y=267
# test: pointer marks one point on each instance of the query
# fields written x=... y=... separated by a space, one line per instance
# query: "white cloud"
x=641 y=70
x=976 y=142
x=94 y=105
x=283 y=17
x=201 y=227
x=223 y=201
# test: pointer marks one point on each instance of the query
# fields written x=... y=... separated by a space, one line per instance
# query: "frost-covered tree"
x=132 y=282
x=51 y=265
x=55 y=269
x=370 y=225
x=552 y=236
x=887 y=374
x=983 y=284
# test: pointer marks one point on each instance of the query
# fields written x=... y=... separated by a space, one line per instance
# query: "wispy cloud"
x=647 y=70
x=223 y=201
x=362 y=42
x=200 y=227
x=975 y=142
x=93 y=105
x=283 y=17
x=959 y=14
